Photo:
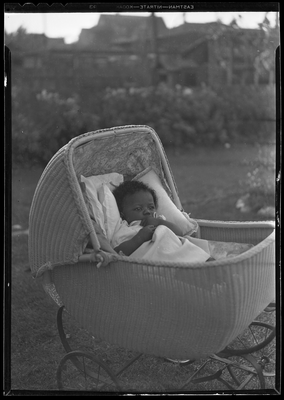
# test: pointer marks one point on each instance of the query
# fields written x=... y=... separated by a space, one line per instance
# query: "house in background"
x=191 y=54
x=112 y=31
x=215 y=54
x=132 y=51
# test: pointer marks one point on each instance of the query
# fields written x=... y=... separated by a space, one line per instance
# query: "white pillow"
x=166 y=206
x=102 y=204
x=93 y=203
x=110 y=210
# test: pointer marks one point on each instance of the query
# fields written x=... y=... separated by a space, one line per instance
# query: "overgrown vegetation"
x=201 y=116
x=44 y=122
x=259 y=185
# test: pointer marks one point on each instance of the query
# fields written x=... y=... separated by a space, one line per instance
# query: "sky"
x=69 y=25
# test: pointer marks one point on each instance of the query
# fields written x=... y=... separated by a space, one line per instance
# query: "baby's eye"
x=137 y=209
x=152 y=207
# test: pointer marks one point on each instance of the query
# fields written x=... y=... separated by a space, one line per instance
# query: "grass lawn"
x=209 y=182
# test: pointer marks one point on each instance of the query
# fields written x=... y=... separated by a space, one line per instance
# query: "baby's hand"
x=146 y=233
x=100 y=260
x=149 y=220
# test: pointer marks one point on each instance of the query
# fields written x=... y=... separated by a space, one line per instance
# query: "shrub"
x=259 y=184
x=183 y=116
x=44 y=122
x=249 y=112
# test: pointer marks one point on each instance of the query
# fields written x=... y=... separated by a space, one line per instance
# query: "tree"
x=247 y=55
x=17 y=40
x=264 y=61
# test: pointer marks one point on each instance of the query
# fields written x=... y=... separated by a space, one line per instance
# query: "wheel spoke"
x=252 y=333
x=87 y=372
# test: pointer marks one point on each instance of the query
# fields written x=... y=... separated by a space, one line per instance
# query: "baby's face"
x=137 y=206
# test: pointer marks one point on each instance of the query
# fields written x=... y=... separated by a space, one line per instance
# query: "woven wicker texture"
x=125 y=154
x=239 y=232
x=56 y=232
x=176 y=311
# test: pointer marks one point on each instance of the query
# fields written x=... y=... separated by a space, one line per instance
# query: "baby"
x=137 y=204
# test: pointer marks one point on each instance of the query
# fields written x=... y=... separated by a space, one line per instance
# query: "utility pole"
x=155 y=49
x=44 y=23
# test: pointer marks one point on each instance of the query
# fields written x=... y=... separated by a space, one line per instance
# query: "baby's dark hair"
x=131 y=187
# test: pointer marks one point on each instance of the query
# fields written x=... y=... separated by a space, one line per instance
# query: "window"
x=32 y=62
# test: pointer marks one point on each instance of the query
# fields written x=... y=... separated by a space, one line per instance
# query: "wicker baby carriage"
x=175 y=311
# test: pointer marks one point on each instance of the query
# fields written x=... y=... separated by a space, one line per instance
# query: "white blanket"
x=166 y=246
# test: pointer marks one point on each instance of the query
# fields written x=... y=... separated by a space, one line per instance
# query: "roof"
x=199 y=28
x=196 y=43
x=129 y=22
x=127 y=27
x=30 y=42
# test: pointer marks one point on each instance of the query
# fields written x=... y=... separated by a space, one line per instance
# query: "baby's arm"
x=129 y=246
x=159 y=221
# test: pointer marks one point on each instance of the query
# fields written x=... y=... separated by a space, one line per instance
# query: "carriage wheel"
x=246 y=372
x=80 y=371
x=256 y=337
x=253 y=356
